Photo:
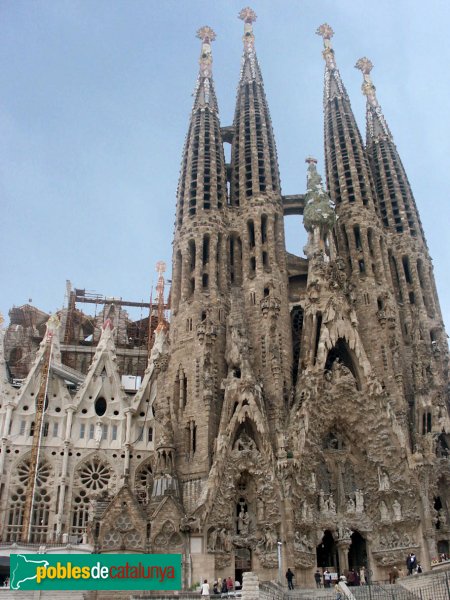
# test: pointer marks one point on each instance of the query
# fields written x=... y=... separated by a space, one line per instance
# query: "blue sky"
x=94 y=109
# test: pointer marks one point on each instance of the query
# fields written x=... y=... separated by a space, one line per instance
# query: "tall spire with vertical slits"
x=395 y=198
x=348 y=173
x=202 y=185
x=254 y=163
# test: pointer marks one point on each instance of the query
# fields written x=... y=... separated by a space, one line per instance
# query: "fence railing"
x=434 y=587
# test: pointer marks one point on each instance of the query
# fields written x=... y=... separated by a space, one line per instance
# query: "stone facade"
x=295 y=400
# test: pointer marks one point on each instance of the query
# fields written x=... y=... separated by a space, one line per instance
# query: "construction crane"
x=37 y=433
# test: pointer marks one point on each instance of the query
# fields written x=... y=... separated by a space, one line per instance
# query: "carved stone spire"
x=204 y=94
x=348 y=173
x=254 y=163
x=394 y=195
x=202 y=184
x=376 y=123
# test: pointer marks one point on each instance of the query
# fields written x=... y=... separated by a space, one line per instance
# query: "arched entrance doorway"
x=357 y=553
x=242 y=562
x=327 y=555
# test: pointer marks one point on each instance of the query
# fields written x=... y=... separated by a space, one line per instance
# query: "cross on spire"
x=326 y=32
x=365 y=65
x=206 y=34
x=248 y=15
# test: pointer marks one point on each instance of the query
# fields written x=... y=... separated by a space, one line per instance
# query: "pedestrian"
x=237 y=586
x=318 y=578
x=419 y=569
x=362 y=576
x=411 y=563
x=290 y=577
x=205 y=588
x=326 y=578
x=351 y=578
x=230 y=585
x=393 y=575
x=216 y=588
x=224 y=589
x=338 y=589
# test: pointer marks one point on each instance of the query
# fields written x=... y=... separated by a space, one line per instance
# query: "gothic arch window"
x=41 y=505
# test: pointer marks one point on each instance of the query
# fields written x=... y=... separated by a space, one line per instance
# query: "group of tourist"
x=221 y=586
x=354 y=578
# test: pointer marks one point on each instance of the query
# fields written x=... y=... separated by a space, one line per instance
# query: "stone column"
x=250 y=586
x=342 y=548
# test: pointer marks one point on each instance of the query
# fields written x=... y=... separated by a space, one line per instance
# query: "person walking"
x=290 y=577
x=318 y=578
x=326 y=578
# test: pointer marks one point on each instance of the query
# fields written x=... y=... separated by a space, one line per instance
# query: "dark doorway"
x=242 y=563
x=443 y=547
x=357 y=553
x=327 y=555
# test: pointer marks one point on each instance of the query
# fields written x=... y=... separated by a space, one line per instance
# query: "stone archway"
x=357 y=553
x=327 y=554
x=242 y=562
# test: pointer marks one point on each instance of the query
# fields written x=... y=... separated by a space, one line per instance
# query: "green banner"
x=95 y=571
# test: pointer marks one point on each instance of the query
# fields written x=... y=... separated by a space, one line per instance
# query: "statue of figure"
x=243 y=521
x=213 y=540
x=302 y=543
x=442 y=518
x=383 y=478
x=359 y=498
x=225 y=540
x=351 y=505
x=322 y=506
x=270 y=540
x=245 y=442
x=98 y=432
x=384 y=513
x=331 y=504
x=397 y=509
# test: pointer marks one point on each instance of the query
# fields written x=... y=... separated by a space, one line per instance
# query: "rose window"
x=42 y=475
x=95 y=475
x=144 y=477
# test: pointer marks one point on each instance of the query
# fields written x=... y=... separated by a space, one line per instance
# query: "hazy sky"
x=94 y=107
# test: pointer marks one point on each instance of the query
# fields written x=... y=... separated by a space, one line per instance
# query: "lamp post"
x=279 y=545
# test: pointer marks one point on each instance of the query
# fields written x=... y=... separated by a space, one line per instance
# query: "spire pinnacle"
x=204 y=92
x=326 y=33
x=374 y=112
x=207 y=35
x=248 y=15
x=160 y=268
